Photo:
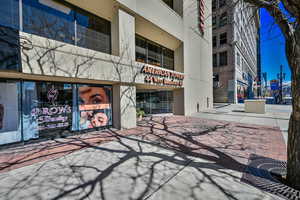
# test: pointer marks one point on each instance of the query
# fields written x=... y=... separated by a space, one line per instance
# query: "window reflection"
x=47 y=109
x=141 y=50
x=155 y=102
x=9 y=112
x=60 y=22
x=168 y=58
x=93 y=32
x=9 y=49
x=42 y=20
x=154 y=54
x=9 y=13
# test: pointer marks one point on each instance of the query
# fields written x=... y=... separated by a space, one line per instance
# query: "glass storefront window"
x=67 y=24
x=10 y=130
x=95 y=106
x=47 y=109
x=93 y=32
x=9 y=49
x=153 y=54
x=141 y=50
x=155 y=102
x=51 y=109
x=168 y=59
x=53 y=21
x=9 y=13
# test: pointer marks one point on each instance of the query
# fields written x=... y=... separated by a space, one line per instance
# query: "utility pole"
x=281 y=77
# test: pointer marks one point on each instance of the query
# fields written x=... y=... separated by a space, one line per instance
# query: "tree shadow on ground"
x=139 y=168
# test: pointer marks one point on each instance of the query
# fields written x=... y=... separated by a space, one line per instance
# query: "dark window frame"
x=216 y=78
x=223 y=58
x=215 y=41
x=223 y=38
x=170 y=3
x=223 y=19
x=222 y=3
x=214 y=5
x=215 y=60
x=214 y=22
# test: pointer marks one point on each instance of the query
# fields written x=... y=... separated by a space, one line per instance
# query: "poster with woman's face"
x=94 y=106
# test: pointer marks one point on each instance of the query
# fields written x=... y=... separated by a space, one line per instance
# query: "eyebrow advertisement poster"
x=95 y=106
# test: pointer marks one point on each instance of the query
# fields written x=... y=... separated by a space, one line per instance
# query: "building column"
x=178 y=101
x=123 y=35
x=124 y=106
x=123 y=45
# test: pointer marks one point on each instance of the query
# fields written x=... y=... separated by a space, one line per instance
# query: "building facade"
x=235 y=50
x=74 y=66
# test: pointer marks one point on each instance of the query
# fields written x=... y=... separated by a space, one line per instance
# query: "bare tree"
x=286 y=14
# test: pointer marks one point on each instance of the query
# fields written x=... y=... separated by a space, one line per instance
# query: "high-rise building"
x=75 y=66
x=235 y=50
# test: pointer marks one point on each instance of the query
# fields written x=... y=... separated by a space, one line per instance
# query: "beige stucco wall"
x=102 y=8
x=41 y=56
x=124 y=106
x=157 y=13
x=154 y=33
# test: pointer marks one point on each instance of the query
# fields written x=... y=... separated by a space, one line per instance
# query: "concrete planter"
x=255 y=106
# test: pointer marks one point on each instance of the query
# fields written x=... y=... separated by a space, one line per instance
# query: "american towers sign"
x=162 y=77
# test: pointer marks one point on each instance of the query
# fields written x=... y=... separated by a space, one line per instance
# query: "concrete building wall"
x=103 y=8
x=154 y=33
x=156 y=12
x=126 y=35
x=197 y=59
x=124 y=106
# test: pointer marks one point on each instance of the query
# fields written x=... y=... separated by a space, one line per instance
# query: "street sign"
x=274 y=85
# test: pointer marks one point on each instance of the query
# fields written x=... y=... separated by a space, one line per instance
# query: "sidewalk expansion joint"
x=168 y=180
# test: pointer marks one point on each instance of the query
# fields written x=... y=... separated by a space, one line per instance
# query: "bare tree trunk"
x=293 y=163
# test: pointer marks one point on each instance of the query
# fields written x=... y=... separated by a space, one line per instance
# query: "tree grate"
x=259 y=172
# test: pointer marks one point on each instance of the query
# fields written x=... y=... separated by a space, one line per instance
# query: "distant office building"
x=235 y=51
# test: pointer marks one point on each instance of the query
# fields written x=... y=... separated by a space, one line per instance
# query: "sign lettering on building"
x=162 y=77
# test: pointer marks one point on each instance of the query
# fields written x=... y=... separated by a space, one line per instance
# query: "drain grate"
x=258 y=174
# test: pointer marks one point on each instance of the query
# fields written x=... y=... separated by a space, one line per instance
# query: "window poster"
x=9 y=112
x=47 y=109
x=94 y=106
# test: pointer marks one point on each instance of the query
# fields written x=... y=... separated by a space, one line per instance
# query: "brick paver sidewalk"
x=225 y=143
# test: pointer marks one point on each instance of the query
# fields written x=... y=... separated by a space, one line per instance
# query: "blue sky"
x=272 y=48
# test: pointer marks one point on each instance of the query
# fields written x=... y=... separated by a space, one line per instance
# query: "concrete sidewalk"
x=170 y=158
x=275 y=116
